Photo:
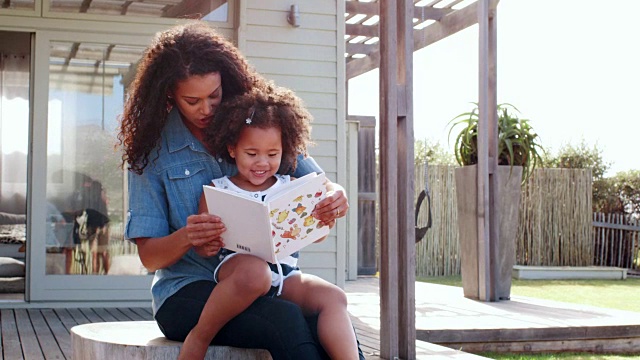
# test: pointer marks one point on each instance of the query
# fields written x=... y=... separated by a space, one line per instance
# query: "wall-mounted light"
x=293 y=17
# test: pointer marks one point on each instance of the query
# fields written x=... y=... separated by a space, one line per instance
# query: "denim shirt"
x=168 y=191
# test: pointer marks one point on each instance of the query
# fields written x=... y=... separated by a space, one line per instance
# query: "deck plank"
x=143 y=312
x=131 y=314
x=28 y=339
x=118 y=314
x=66 y=319
x=104 y=314
x=11 y=348
x=48 y=344
x=90 y=315
x=59 y=331
x=78 y=316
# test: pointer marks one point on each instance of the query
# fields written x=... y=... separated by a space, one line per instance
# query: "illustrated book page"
x=275 y=228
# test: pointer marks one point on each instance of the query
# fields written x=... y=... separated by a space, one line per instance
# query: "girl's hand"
x=334 y=206
x=203 y=232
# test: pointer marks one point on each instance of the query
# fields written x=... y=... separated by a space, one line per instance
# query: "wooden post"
x=488 y=222
x=397 y=264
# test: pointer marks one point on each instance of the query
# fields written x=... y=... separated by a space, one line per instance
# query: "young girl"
x=262 y=132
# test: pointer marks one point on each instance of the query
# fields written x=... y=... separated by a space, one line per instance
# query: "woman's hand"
x=203 y=232
x=334 y=206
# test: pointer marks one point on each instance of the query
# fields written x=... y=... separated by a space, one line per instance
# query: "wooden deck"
x=35 y=334
x=443 y=317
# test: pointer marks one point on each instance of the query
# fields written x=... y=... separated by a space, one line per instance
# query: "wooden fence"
x=616 y=240
x=555 y=219
x=555 y=227
x=438 y=253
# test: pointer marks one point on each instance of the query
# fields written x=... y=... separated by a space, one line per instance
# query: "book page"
x=293 y=227
x=247 y=222
x=285 y=188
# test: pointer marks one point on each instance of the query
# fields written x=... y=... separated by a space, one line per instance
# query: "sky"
x=572 y=67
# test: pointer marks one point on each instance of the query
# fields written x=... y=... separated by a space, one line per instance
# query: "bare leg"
x=241 y=280
x=316 y=296
x=100 y=250
x=104 y=255
x=68 y=260
x=95 y=262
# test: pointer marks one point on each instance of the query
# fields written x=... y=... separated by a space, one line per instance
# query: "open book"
x=275 y=228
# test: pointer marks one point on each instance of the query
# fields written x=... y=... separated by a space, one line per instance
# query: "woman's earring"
x=169 y=104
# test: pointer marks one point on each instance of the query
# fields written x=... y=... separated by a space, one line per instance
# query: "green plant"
x=517 y=142
x=432 y=153
x=581 y=156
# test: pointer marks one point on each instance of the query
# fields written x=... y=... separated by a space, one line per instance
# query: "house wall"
x=308 y=59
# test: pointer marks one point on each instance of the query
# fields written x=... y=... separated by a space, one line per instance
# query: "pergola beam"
x=419 y=12
x=362 y=30
x=357 y=7
x=359 y=48
x=450 y=24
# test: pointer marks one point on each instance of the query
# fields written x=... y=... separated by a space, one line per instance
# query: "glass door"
x=79 y=249
x=15 y=63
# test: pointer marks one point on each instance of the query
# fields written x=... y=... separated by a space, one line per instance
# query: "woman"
x=182 y=78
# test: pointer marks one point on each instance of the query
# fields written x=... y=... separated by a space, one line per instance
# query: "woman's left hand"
x=334 y=206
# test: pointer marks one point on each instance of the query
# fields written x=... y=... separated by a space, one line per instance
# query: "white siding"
x=309 y=60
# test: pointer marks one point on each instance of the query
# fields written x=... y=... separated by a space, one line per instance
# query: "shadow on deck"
x=445 y=317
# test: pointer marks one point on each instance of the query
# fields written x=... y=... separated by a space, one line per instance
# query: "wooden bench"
x=141 y=340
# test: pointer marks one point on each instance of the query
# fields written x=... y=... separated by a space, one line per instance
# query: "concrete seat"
x=141 y=340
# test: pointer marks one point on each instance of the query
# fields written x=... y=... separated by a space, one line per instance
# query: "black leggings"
x=269 y=323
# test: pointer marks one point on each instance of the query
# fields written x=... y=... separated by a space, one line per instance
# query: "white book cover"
x=275 y=228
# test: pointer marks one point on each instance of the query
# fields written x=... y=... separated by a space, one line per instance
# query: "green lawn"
x=614 y=294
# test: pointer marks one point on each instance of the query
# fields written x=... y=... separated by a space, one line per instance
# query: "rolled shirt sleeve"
x=306 y=165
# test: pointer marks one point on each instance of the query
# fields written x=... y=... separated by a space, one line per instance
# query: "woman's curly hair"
x=175 y=55
x=266 y=106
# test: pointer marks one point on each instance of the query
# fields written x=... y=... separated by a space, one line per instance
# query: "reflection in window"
x=18 y=4
x=14 y=149
x=212 y=10
x=84 y=180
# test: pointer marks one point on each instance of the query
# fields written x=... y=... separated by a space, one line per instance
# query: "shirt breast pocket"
x=186 y=184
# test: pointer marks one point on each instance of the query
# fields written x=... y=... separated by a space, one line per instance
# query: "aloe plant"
x=517 y=142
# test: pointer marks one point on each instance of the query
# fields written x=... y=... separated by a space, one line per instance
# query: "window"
x=85 y=183
x=14 y=142
x=19 y=5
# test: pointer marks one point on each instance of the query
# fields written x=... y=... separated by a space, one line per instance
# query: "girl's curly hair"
x=175 y=55
x=267 y=106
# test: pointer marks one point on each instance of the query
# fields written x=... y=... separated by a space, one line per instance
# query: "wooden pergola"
x=384 y=34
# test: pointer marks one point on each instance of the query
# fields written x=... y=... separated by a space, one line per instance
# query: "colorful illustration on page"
x=294 y=221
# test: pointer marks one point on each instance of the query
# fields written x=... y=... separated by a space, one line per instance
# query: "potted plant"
x=517 y=142
x=519 y=152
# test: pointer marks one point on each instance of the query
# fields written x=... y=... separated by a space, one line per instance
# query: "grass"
x=613 y=294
